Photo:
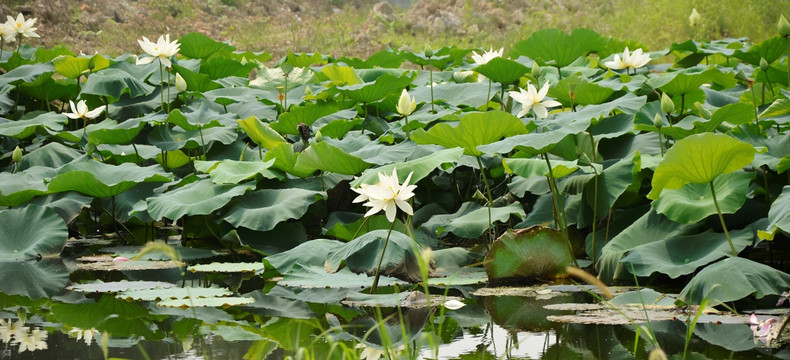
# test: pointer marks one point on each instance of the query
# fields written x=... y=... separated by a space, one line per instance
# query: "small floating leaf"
x=528 y=254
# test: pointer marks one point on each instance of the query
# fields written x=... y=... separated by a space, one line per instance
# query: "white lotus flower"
x=81 y=111
x=533 y=99
x=694 y=18
x=181 y=84
x=7 y=31
x=22 y=26
x=163 y=49
x=486 y=56
x=406 y=104
x=632 y=60
x=387 y=195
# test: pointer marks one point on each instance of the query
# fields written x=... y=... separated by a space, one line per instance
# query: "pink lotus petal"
x=120 y=259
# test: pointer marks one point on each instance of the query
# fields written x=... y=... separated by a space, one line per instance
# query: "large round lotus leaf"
x=307 y=114
x=261 y=133
x=111 y=132
x=31 y=232
x=262 y=210
x=475 y=129
x=198 y=46
x=362 y=255
x=167 y=293
x=114 y=82
x=34 y=279
x=18 y=188
x=87 y=315
x=501 y=70
x=198 y=198
x=329 y=158
x=734 y=279
x=524 y=313
x=420 y=168
x=222 y=302
x=699 y=159
x=554 y=47
x=23 y=128
x=97 y=179
x=376 y=90
x=118 y=286
x=694 y=202
x=471 y=219
x=526 y=255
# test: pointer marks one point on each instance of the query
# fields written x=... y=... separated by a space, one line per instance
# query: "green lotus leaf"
x=198 y=46
x=235 y=332
x=537 y=167
x=779 y=107
x=262 y=210
x=337 y=129
x=204 y=115
x=501 y=70
x=612 y=183
x=18 y=188
x=70 y=66
x=471 y=220
x=287 y=160
x=362 y=254
x=196 y=81
x=310 y=254
x=180 y=252
x=261 y=133
x=222 y=302
x=341 y=75
x=307 y=114
x=27 y=74
x=167 y=293
x=326 y=157
x=92 y=178
x=734 y=279
x=26 y=127
x=778 y=215
x=681 y=255
x=699 y=159
x=372 y=151
x=527 y=254
x=111 y=132
x=234 y=172
x=90 y=314
x=201 y=197
x=376 y=90
x=769 y=49
x=22 y=241
x=34 y=279
x=132 y=265
x=554 y=47
x=645 y=296
x=475 y=129
x=385 y=58
x=114 y=82
x=118 y=286
x=169 y=139
x=584 y=92
x=347 y=225
x=458 y=95
x=221 y=67
x=735 y=114
x=67 y=205
x=48 y=89
x=649 y=228
x=694 y=202
x=175 y=159
x=227 y=267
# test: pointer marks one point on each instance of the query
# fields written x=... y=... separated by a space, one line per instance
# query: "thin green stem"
x=161 y=86
x=721 y=218
x=595 y=214
x=490 y=199
x=754 y=101
x=168 y=92
x=430 y=70
x=660 y=143
x=381 y=259
x=559 y=211
x=787 y=59
x=202 y=141
x=406 y=123
x=488 y=97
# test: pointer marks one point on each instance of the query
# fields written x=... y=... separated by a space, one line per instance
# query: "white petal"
x=403 y=205
x=551 y=103
x=540 y=110
x=144 y=60
x=543 y=91
x=390 y=210
x=453 y=304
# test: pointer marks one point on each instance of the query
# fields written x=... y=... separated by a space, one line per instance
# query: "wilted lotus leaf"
x=227 y=267
x=526 y=255
x=172 y=293
x=118 y=286
x=207 y=302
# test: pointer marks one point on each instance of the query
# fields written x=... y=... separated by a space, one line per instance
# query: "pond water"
x=63 y=309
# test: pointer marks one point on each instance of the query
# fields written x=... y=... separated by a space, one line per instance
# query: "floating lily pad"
x=118 y=286
x=227 y=267
x=223 y=302
x=128 y=265
x=172 y=293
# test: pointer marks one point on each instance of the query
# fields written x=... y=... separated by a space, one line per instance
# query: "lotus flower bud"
x=657 y=121
x=694 y=18
x=535 y=70
x=667 y=106
x=764 y=66
x=318 y=136
x=703 y=112
x=181 y=84
x=783 y=26
x=428 y=51
x=16 y=156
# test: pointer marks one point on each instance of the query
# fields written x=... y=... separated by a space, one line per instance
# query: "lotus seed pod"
x=667 y=106
x=783 y=26
x=657 y=121
x=16 y=156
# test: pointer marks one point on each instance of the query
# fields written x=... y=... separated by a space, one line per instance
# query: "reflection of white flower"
x=88 y=335
x=387 y=195
x=35 y=340
x=633 y=60
x=22 y=26
x=533 y=99
x=5 y=330
x=80 y=111
x=163 y=49
x=453 y=304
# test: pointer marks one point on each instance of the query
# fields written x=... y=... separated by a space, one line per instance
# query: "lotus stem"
x=161 y=86
x=595 y=214
x=660 y=143
x=488 y=97
x=721 y=218
x=202 y=141
x=430 y=72
x=787 y=59
x=490 y=199
x=381 y=259
x=559 y=211
x=406 y=123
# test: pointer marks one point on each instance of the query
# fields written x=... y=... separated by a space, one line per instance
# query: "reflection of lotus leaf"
x=527 y=255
